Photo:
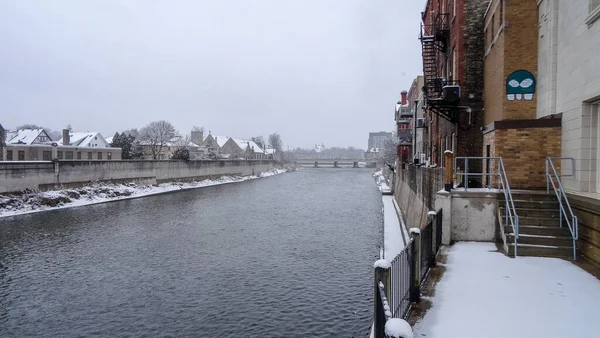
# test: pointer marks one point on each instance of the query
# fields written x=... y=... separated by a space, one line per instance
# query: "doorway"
x=487 y=165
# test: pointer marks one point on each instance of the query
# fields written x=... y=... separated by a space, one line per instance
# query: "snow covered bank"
x=30 y=202
x=486 y=294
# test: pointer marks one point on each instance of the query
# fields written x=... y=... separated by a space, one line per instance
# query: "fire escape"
x=442 y=96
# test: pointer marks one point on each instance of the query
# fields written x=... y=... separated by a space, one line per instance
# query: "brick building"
x=452 y=42
x=511 y=129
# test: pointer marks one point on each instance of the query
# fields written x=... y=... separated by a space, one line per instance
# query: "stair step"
x=532 y=204
x=541 y=251
x=533 y=212
x=540 y=230
x=535 y=221
x=529 y=196
x=541 y=240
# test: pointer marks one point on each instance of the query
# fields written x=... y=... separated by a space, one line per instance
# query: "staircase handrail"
x=570 y=217
x=510 y=210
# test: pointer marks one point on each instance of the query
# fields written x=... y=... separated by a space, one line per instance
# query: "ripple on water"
x=289 y=255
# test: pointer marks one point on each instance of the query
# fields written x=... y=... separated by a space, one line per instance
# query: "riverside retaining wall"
x=18 y=176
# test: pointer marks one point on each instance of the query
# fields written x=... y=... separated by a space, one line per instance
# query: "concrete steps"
x=541 y=251
x=540 y=233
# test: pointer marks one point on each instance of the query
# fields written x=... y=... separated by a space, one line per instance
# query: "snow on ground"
x=393 y=239
x=103 y=192
x=486 y=294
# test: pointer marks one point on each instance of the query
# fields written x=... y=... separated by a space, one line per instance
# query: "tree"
x=156 y=135
x=130 y=149
x=181 y=154
x=275 y=142
x=260 y=141
x=388 y=154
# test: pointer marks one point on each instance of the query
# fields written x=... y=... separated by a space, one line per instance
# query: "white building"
x=84 y=140
x=569 y=84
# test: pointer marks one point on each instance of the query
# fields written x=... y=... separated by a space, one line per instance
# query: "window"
x=99 y=155
x=47 y=155
x=59 y=155
x=9 y=155
x=69 y=155
x=109 y=156
x=89 y=156
x=596 y=119
x=21 y=155
x=79 y=155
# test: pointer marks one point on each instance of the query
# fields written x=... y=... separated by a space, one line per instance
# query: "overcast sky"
x=315 y=71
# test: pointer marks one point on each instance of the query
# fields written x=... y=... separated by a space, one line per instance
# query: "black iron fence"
x=424 y=182
x=398 y=283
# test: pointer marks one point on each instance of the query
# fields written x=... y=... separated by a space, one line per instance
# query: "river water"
x=284 y=256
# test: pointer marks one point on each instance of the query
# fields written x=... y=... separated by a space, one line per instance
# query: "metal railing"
x=565 y=207
x=400 y=282
x=510 y=212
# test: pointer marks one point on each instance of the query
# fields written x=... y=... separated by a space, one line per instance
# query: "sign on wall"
x=520 y=84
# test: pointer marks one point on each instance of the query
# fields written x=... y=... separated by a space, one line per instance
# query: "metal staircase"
x=442 y=95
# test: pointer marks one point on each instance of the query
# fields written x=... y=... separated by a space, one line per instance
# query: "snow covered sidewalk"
x=486 y=294
x=394 y=233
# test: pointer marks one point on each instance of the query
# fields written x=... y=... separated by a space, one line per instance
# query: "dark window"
x=109 y=156
x=89 y=157
x=47 y=155
x=59 y=155
x=21 y=155
x=99 y=155
x=69 y=155
x=79 y=155
x=9 y=156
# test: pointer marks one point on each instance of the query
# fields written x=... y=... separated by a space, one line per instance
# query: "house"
x=240 y=148
x=83 y=139
x=452 y=48
x=29 y=137
x=213 y=144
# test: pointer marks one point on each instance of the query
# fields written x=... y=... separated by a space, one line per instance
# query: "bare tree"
x=156 y=135
x=388 y=154
x=275 y=142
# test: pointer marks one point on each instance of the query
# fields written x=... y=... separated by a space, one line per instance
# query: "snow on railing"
x=551 y=176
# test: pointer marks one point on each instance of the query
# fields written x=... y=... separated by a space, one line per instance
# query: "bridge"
x=332 y=162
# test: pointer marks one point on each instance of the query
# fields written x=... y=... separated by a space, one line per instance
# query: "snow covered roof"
x=244 y=144
x=269 y=151
x=29 y=136
x=86 y=139
x=221 y=140
x=109 y=139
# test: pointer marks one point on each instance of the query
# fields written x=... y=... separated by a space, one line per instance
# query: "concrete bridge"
x=332 y=163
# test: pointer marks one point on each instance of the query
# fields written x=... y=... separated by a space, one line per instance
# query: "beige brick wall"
x=524 y=153
x=513 y=46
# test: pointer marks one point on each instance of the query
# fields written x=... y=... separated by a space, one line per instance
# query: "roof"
x=269 y=151
x=244 y=144
x=86 y=139
x=109 y=139
x=27 y=136
x=221 y=140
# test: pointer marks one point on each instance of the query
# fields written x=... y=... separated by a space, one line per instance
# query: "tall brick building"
x=452 y=42
x=511 y=129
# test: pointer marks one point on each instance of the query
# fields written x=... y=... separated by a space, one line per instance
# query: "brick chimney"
x=403 y=94
x=66 y=137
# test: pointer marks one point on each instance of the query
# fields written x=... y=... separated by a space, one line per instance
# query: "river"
x=284 y=256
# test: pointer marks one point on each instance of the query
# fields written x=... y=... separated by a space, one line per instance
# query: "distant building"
x=239 y=148
x=29 y=137
x=2 y=142
x=377 y=140
x=83 y=139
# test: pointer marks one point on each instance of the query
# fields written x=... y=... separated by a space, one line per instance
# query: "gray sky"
x=315 y=71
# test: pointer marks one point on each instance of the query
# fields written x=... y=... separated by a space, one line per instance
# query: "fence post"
x=449 y=159
x=415 y=265
x=381 y=274
x=434 y=229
